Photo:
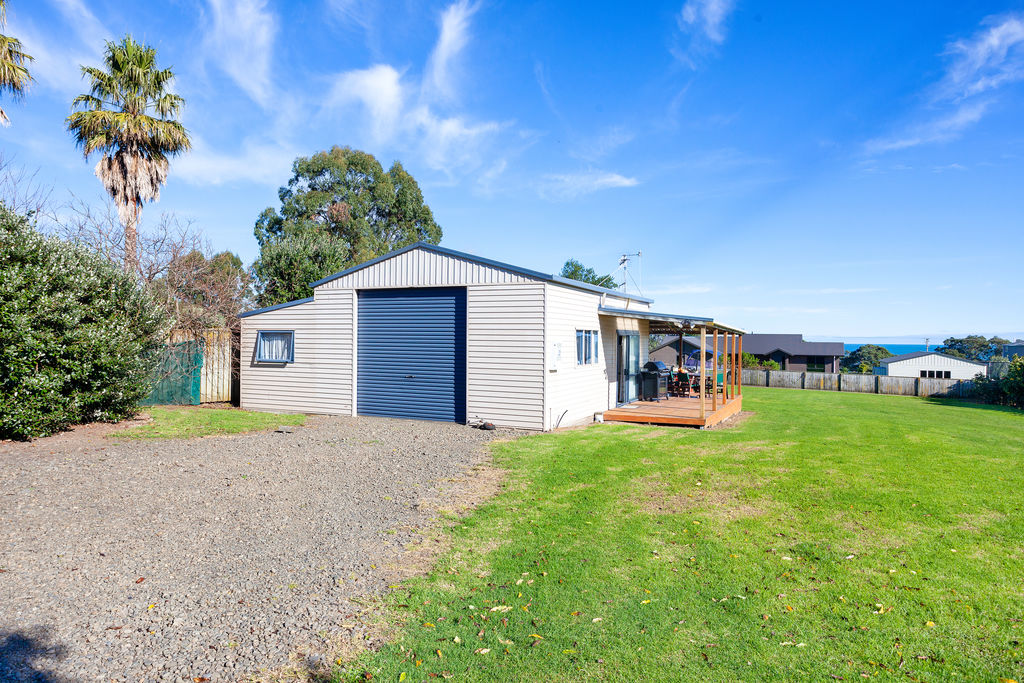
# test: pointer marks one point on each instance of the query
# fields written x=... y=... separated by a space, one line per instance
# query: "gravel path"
x=210 y=558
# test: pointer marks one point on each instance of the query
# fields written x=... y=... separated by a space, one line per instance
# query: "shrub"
x=77 y=335
x=754 y=363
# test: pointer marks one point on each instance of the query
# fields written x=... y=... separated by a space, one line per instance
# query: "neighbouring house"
x=430 y=333
x=930 y=364
x=790 y=351
x=1014 y=349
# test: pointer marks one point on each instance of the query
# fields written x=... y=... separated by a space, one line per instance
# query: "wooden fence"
x=865 y=384
x=195 y=369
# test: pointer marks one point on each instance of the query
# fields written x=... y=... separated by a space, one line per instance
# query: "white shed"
x=930 y=364
x=430 y=333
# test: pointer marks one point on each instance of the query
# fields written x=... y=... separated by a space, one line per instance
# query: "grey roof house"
x=790 y=351
x=1014 y=349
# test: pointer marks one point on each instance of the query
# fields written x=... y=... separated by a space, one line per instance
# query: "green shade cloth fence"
x=179 y=374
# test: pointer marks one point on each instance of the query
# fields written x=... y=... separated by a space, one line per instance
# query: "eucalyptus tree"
x=14 y=75
x=131 y=119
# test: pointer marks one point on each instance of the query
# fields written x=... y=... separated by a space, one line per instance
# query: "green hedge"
x=77 y=335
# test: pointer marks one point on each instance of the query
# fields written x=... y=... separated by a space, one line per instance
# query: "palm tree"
x=130 y=118
x=14 y=75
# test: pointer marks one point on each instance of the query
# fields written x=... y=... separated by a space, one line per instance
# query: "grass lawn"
x=830 y=536
x=185 y=422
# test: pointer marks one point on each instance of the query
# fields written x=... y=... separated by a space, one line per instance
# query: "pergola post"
x=735 y=364
x=726 y=374
x=741 y=367
x=703 y=362
x=680 y=355
x=714 y=374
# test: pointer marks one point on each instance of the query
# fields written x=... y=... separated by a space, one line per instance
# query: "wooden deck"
x=683 y=411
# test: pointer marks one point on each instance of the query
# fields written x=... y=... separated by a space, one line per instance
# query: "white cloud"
x=379 y=89
x=439 y=80
x=604 y=144
x=240 y=40
x=257 y=162
x=57 y=62
x=993 y=57
x=937 y=130
x=705 y=16
x=572 y=185
x=394 y=116
x=701 y=24
x=982 y=65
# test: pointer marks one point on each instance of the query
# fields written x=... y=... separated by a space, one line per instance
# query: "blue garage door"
x=412 y=353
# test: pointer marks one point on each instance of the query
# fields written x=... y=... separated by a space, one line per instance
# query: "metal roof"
x=672 y=318
x=919 y=354
x=548 y=277
x=765 y=344
x=790 y=344
x=286 y=304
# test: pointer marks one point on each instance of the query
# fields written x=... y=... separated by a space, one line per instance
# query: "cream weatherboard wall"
x=320 y=379
x=575 y=392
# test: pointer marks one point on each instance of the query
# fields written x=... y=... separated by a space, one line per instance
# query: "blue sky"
x=833 y=169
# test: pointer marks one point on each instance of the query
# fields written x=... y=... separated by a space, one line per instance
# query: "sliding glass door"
x=628 y=367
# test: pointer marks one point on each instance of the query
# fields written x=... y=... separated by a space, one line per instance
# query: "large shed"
x=930 y=364
x=430 y=333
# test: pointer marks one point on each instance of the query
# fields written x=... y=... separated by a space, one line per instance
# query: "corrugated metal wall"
x=505 y=354
x=422 y=268
x=321 y=378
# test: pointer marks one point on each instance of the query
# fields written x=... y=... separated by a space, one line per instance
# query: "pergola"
x=682 y=325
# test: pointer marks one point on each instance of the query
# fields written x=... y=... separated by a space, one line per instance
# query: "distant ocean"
x=896 y=349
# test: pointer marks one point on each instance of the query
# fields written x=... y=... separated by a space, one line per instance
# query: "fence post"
x=917 y=387
x=803 y=380
x=878 y=384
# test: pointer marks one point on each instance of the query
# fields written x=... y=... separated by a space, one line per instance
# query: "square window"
x=275 y=346
x=946 y=375
x=924 y=374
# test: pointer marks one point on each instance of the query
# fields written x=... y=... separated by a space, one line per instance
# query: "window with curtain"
x=586 y=347
x=275 y=346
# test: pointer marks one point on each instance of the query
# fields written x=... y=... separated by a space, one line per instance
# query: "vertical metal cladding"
x=411 y=359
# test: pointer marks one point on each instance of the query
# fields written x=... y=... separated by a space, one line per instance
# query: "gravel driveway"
x=211 y=558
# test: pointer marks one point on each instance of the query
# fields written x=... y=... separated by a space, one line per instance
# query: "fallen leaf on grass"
x=401 y=677
x=501 y=608
x=428 y=625
x=439 y=655
x=482 y=650
x=596 y=619
x=929 y=624
x=537 y=636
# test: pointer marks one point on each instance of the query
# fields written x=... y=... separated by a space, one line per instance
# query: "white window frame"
x=587 y=351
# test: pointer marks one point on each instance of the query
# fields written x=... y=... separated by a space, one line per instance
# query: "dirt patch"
x=722 y=502
x=976 y=521
x=734 y=421
x=80 y=438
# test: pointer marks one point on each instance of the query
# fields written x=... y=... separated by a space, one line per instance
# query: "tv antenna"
x=625 y=261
